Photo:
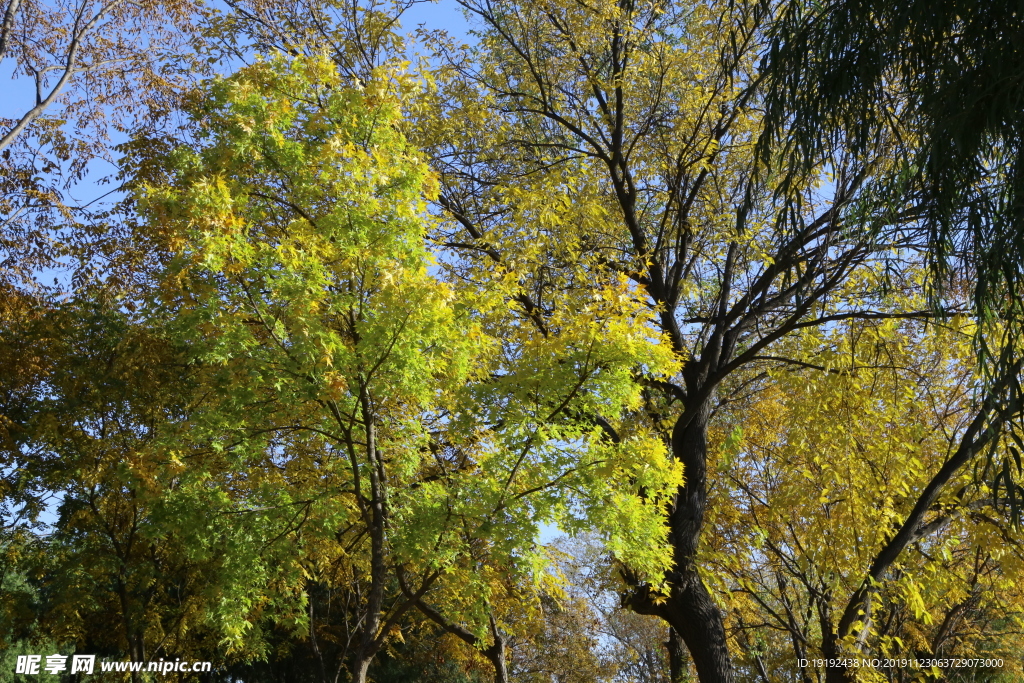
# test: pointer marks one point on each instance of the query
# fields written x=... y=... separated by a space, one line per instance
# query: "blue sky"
x=445 y=14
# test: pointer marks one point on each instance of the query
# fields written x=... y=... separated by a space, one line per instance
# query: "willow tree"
x=948 y=76
x=944 y=81
x=577 y=144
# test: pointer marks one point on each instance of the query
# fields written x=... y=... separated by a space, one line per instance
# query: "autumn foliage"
x=370 y=317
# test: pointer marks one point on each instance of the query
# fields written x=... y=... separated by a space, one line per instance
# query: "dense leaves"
x=367 y=331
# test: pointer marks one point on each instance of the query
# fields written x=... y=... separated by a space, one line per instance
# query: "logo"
x=85 y=664
x=55 y=664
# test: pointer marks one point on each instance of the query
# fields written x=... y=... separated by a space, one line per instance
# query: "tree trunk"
x=690 y=609
x=360 y=668
x=676 y=656
x=498 y=657
x=370 y=642
x=695 y=616
x=134 y=637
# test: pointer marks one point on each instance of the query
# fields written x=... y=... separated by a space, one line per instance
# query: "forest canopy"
x=358 y=317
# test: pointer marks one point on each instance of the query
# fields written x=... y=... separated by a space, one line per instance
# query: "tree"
x=565 y=647
x=393 y=429
x=94 y=42
x=83 y=70
x=818 y=472
x=944 y=80
x=298 y=250
x=404 y=365
x=629 y=646
x=80 y=437
x=619 y=140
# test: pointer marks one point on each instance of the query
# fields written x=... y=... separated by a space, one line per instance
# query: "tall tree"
x=399 y=395
x=298 y=251
x=111 y=579
x=618 y=140
x=402 y=432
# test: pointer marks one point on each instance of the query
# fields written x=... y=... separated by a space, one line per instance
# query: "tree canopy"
x=359 y=328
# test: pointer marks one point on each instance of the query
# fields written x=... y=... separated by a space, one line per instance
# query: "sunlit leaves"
x=347 y=374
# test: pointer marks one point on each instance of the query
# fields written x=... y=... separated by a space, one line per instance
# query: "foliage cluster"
x=358 y=330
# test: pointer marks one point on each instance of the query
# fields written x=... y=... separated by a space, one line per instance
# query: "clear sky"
x=443 y=14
